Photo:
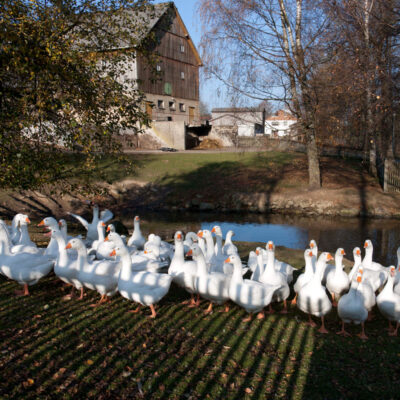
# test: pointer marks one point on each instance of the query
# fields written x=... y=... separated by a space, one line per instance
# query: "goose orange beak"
x=213 y=230
x=365 y=245
x=228 y=260
x=106 y=239
x=189 y=253
x=145 y=252
x=258 y=252
x=179 y=236
x=59 y=223
x=329 y=257
x=41 y=223
x=103 y=224
x=270 y=246
x=359 y=279
x=108 y=228
x=310 y=253
x=311 y=245
x=113 y=253
x=68 y=246
x=28 y=220
x=137 y=218
x=200 y=234
x=343 y=253
x=358 y=252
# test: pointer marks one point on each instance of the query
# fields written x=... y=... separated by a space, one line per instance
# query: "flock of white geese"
x=135 y=267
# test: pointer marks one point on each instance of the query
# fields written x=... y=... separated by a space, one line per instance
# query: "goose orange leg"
x=136 y=310
x=248 y=318
x=323 y=329
x=284 y=311
x=209 y=309
x=311 y=322
x=193 y=302
x=294 y=301
x=343 y=331
x=81 y=296
x=394 y=332
x=23 y=292
x=270 y=310
x=153 y=311
x=261 y=315
x=362 y=335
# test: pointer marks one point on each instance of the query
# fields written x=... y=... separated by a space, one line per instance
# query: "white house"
x=280 y=124
x=249 y=121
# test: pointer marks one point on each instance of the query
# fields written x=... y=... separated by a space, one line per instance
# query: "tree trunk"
x=314 y=173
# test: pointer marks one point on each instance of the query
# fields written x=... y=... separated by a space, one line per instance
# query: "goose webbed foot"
x=23 y=292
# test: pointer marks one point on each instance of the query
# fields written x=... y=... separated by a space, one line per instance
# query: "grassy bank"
x=250 y=181
x=51 y=348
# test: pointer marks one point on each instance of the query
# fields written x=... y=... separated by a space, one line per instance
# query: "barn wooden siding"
x=173 y=62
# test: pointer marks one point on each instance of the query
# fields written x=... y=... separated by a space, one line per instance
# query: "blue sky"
x=208 y=89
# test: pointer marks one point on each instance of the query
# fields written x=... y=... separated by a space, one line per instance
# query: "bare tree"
x=269 y=49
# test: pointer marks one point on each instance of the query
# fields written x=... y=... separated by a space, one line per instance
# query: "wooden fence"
x=391 y=181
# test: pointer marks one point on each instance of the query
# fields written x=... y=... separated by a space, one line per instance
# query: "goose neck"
x=62 y=259
x=126 y=260
x=5 y=241
x=237 y=272
x=201 y=265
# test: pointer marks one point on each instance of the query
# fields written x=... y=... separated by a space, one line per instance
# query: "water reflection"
x=286 y=230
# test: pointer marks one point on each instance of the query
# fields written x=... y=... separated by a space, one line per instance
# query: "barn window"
x=182 y=48
x=182 y=75
x=182 y=107
x=167 y=88
x=160 y=104
x=172 y=105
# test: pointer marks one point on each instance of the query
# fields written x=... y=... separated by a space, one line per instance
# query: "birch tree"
x=269 y=49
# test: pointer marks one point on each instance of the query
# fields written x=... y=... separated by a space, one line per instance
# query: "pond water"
x=286 y=230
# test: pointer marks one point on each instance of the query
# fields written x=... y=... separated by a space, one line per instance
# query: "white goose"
x=14 y=229
x=65 y=267
x=251 y=295
x=337 y=281
x=97 y=275
x=229 y=248
x=276 y=278
x=367 y=262
x=137 y=239
x=25 y=243
x=389 y=303
x=314 y=248
x=183 y=272
x=351 y=308
x=166 y=249
x=25 y=268
x=364 y=287
x=215 y=263
x=51 y=224
x=280 y=266
x=312 y=297
x=144 y=287
x=216 y=230
x=91 y=227
x=307 y=275
x=212 y=286
x=259 y=268
x=190 y=238
x=148 y=259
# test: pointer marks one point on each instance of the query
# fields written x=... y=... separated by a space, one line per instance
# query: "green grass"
x=52 y=348
x=156 y=167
